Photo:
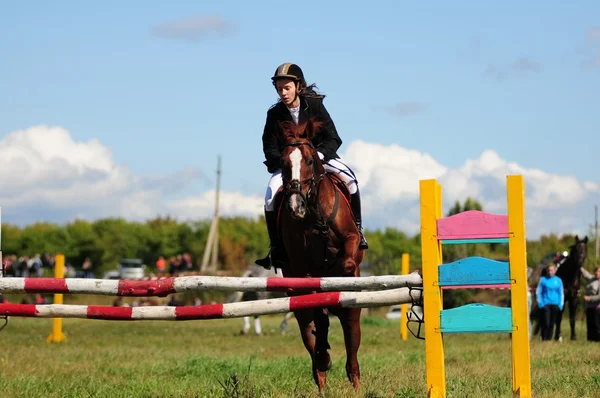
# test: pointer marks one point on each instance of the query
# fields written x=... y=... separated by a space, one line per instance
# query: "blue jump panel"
x=474 y=271
x=476 y=318
x=464 y=241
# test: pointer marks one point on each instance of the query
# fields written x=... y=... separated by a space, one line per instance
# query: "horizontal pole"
x=164 y=287
x=214 y=311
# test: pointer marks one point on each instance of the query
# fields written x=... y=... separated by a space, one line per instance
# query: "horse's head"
x=579 y=250
x=300 y=164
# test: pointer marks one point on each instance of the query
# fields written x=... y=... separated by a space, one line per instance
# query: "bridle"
x=295 y=186
x=290 y=187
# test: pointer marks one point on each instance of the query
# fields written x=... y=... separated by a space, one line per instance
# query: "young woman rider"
x=298 y=102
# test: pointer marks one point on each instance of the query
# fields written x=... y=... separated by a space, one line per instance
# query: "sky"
x=120 y=109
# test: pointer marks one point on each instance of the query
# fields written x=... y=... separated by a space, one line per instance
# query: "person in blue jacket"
x=551 y=298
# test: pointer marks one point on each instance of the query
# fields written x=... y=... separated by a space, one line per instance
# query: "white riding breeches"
x=333 y=166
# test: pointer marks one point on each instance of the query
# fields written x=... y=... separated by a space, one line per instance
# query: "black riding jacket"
x=327 y=141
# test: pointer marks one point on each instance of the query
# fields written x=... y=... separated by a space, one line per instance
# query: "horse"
x=320 y=238
x=569 y=271
x=253 y=271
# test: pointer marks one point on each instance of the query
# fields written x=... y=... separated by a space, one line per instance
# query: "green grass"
x=210 y=359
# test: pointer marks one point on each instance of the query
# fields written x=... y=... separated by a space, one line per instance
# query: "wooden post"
x=212 y=243
x=431 y=211
x=59 y=272
x=404 y=308
x=1 y=262
x=521 y=369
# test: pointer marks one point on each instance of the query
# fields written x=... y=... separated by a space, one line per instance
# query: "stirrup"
x=265 y=262
x=362 y=245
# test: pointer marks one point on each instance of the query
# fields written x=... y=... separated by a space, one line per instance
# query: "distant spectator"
x=87 y=268
x=173 y=268
x=551 y=298
x=161 y=265
x=187 y=258
x=21 y=267
x=173 y=302
x=592 y=303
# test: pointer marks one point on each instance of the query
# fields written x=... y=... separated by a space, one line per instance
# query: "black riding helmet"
x=288 y=71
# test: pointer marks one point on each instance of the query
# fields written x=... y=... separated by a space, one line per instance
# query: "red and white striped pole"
x=164 y=287
x=213 y=311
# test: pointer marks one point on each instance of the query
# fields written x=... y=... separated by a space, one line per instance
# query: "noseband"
x=295 y=186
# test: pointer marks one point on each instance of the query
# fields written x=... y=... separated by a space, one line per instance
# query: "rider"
x=298 y=102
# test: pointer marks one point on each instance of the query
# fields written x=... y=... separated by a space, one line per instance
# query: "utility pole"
x=596 y=231
x=212 y=243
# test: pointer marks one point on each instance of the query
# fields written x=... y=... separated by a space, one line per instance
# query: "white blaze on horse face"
x=296 y=158
x=295 y=200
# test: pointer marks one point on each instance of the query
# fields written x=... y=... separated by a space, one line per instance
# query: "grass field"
x=211 y=359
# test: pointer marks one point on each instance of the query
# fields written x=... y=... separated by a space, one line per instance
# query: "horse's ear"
x=585 y=239
x=576 y=238
x=311 y=129
x=286 y=129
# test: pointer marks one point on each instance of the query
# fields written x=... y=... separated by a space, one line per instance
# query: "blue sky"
x=450 y=80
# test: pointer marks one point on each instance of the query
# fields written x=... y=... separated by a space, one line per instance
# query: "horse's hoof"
x=322 y=367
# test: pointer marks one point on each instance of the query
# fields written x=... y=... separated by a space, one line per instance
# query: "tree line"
x=242 y=240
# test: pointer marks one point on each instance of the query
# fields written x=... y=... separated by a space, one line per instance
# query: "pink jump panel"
x=324 y=300
x=472 y=224
x=291 y=284
x=160 y=288
x=208 y=311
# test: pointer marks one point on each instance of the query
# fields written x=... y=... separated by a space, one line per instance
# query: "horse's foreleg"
x=350 y=249
x=350 y=320
x=321 y=358
x=307 y=326
x=305 y=322
x=572 y=312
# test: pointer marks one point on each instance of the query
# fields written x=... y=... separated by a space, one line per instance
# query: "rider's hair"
x=309 y=91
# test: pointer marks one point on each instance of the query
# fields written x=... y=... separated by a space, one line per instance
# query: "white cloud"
x=389 y=180
x=519 y=68
x=233 y=203
x=593 y=45
x=46 y=175
x=194 y=28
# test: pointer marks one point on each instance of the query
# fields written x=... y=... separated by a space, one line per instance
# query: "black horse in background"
x=569 y=271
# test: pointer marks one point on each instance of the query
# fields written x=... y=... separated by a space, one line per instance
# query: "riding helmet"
x=288 y=71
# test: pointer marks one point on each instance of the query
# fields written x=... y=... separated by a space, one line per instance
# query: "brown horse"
x=321 y=239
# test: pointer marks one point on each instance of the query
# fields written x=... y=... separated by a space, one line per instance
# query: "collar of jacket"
x=303 y=105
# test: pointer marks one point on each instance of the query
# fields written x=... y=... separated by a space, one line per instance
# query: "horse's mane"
x=294 y=132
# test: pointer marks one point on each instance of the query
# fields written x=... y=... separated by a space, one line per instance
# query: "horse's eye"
x=310 y=162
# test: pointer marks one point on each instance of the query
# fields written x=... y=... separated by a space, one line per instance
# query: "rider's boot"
x=276 y=256
x=356 y=209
